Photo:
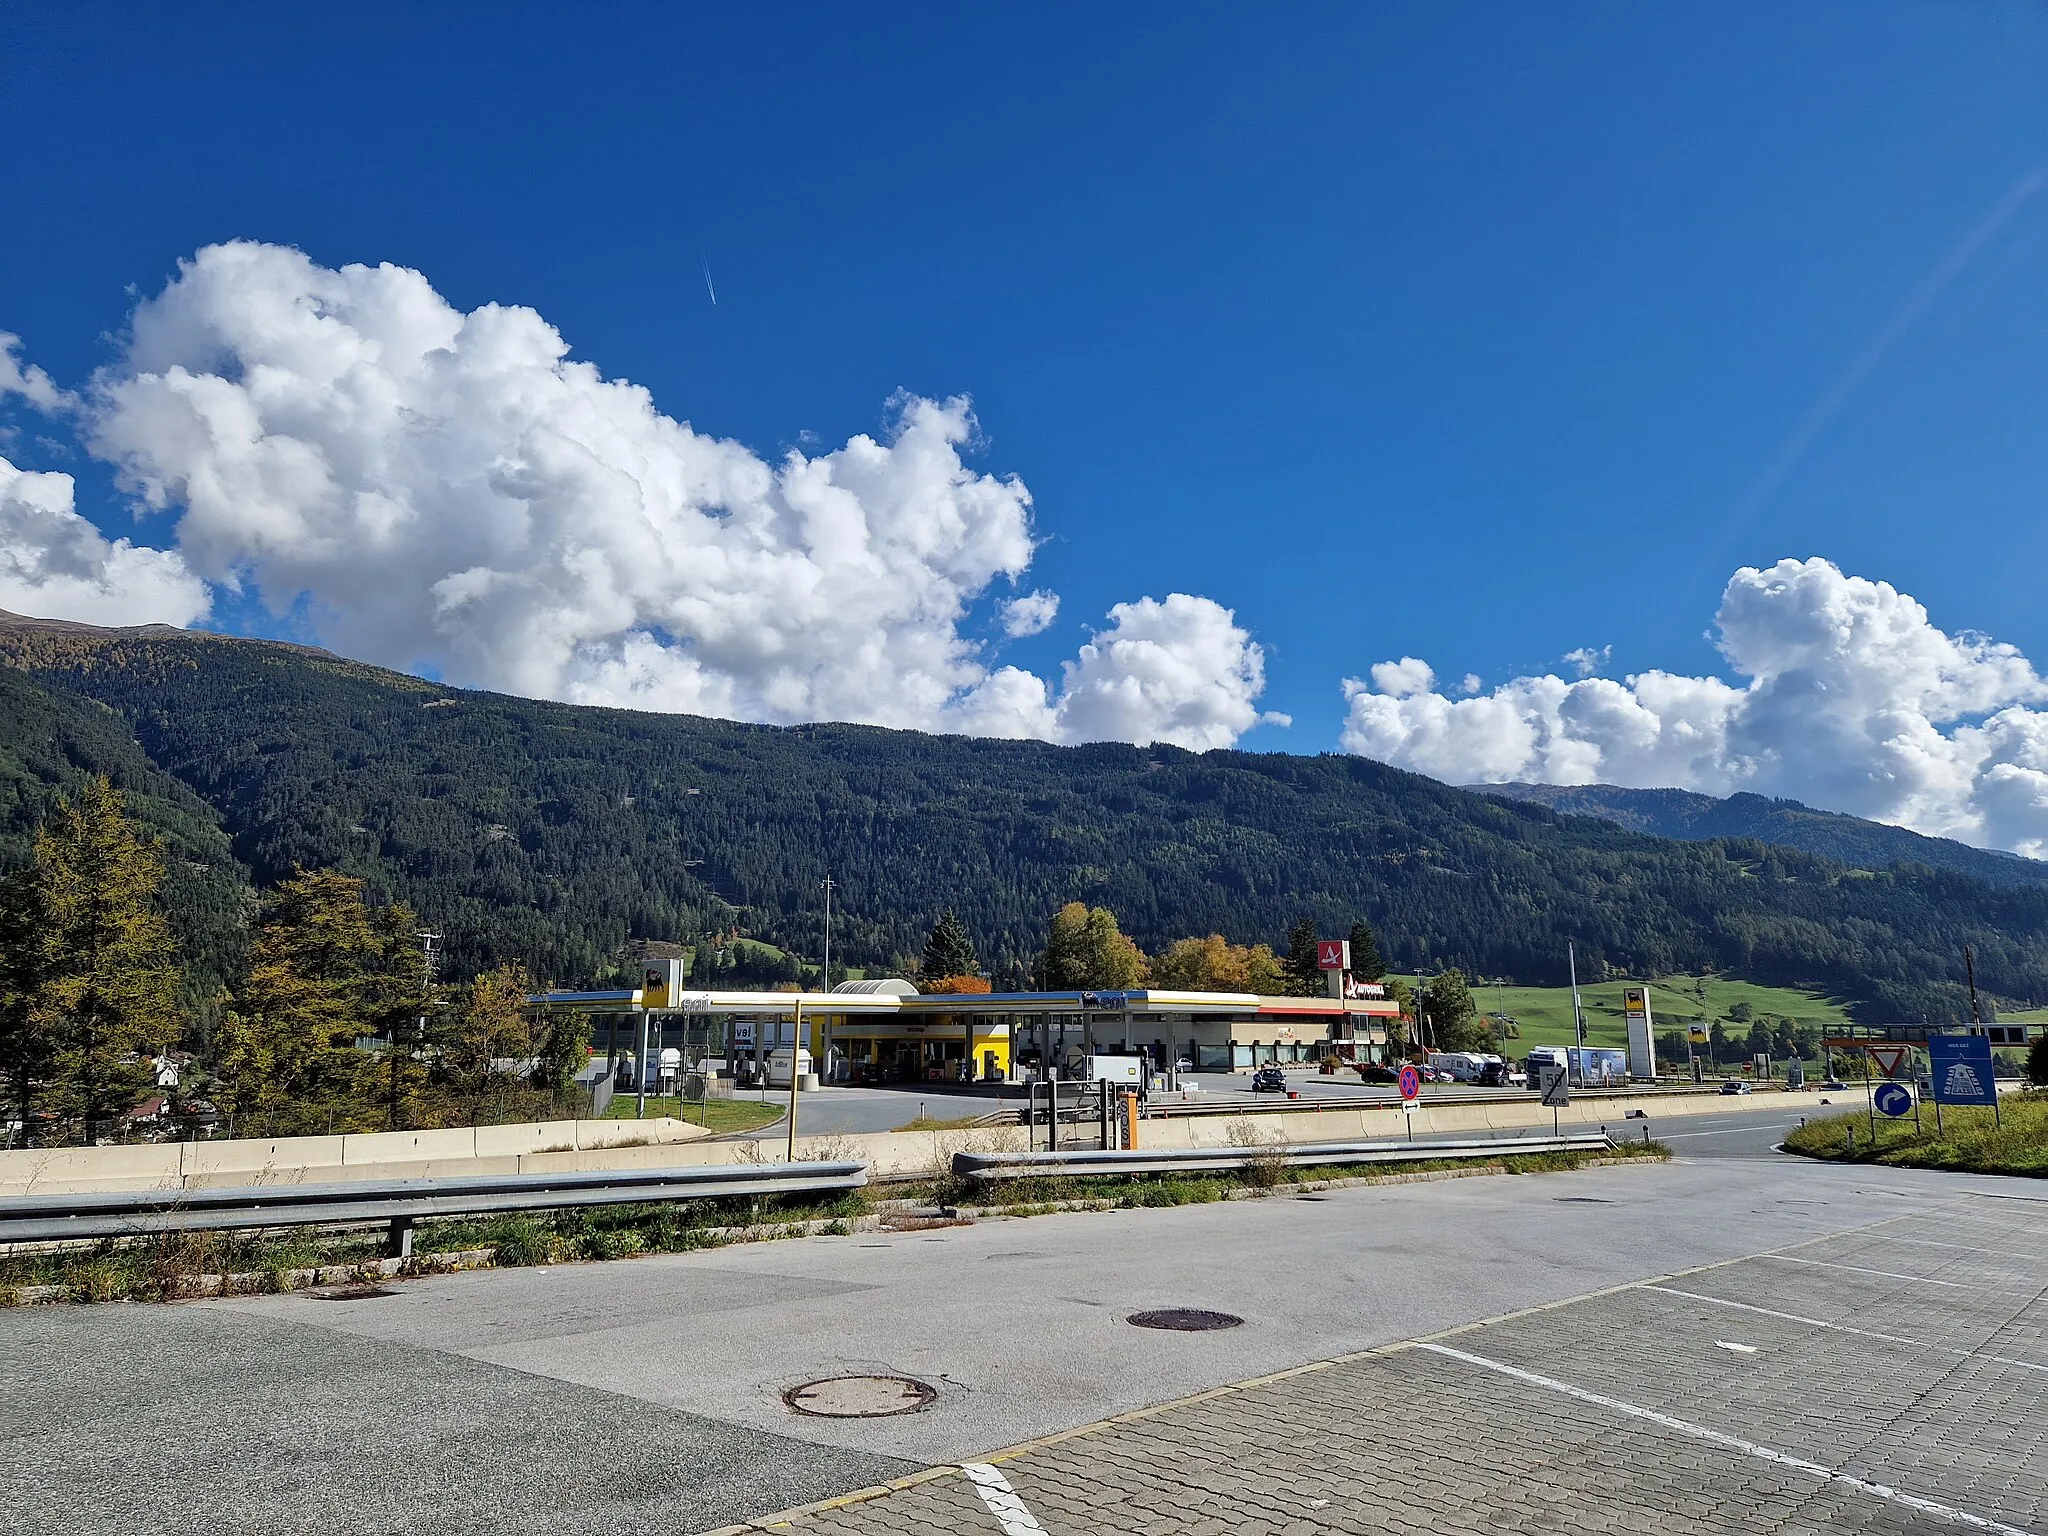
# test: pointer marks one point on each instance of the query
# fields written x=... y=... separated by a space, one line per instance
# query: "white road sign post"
x=1555 y=1083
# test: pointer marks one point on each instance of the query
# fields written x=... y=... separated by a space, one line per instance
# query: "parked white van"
x=1463 y=1066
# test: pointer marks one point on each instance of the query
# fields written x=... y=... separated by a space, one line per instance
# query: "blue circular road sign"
x=1892 y=1099
x=1411 y=1082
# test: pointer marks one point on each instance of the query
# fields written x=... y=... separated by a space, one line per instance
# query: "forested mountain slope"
x=1683 y=813
x=553 y=832
x=50 y=742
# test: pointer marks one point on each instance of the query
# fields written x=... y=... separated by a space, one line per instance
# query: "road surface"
x=648 y=1395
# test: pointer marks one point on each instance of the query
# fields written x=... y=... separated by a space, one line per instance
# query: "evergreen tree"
x=1453 y=1019
x=949 y=951
x=1366 y=964
x=324 y=969
x=1304 y=977
x=561 y=1050
x=88 y=976
x=28 y=1035
x=2037 y=1062
x=487 y=1023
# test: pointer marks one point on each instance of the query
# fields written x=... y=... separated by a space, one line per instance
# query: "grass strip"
x=1971 y=1140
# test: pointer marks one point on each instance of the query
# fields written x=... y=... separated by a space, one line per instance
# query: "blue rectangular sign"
x=1962 y=1069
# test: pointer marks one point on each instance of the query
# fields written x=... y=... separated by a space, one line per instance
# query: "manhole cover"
x=351 y=1292
x=860 y=1397
x=1184 y=1319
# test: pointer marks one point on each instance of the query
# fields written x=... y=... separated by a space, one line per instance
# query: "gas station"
x=885 y=1031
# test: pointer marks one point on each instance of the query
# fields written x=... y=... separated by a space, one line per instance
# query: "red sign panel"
x=1333 y=954
x=1411 y=1082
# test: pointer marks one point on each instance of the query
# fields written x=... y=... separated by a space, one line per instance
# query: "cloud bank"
x=1854 y=700
x=447 y=491
x=54 y=564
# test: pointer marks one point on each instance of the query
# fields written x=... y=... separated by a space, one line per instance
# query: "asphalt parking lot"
x=1894 y=1378
x=648 y=1395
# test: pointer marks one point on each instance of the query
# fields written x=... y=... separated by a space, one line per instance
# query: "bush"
x=521 y=1240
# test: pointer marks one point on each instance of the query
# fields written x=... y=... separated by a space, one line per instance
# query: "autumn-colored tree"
x=324 y=969
x=88 y=974
x=486 y=1026
x=1085 y=951
x=959 y=986
x=1215 y=964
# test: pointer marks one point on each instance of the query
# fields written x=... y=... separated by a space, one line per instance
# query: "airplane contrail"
x=707 y=283
x=1852 y=378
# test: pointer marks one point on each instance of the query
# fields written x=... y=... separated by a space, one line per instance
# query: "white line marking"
x=1732 y=1442
x=1736 y=1131
x=1889 y=1274
x=1861 y=1333
x=1740 y=1349
x=2004 y=1253
x=1002 y=1500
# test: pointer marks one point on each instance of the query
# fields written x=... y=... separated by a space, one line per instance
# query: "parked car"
x=1732 y=1086
x=1269 y=1080
x=1371 y=1074
x=1834 y=1085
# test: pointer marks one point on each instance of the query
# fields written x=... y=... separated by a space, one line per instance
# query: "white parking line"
x=1002 y=1500
x=1733 y=1443
x=2003 y=1253
x=1858 y=1269
x=1861 y=1333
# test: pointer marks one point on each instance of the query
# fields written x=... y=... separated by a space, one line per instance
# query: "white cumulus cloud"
x=27 y=380
x=1854 y=701
x=437 y=489
x=1585 y=660
x=54 y=564
x=1031 y=614
x=1180 y=671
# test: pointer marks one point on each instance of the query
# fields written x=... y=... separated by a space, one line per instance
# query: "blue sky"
x=1453 y=332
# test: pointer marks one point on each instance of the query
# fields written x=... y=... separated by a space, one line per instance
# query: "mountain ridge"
x=554 y=833
x=1691 y=816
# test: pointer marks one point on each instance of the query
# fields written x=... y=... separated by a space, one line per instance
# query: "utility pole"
x=827 y=978
x=429 y=960
x=1578 y=1011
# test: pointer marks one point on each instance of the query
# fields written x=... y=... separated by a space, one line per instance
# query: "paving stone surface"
x=1892 y=1379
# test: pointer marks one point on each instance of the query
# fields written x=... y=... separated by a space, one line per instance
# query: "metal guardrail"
x=1032 y=1165
x=139 y=1213
x=1310 y=1101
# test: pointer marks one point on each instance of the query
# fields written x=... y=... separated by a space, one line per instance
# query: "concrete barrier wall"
x=571 y=1144
x=575 y=1146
